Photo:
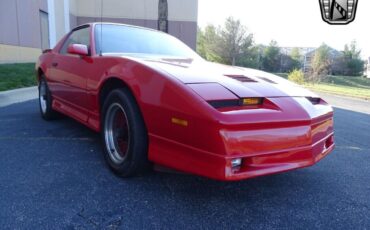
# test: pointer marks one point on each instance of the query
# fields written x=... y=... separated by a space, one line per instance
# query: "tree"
x=272 y=57
x=201 y=45
x=208 y=42
x=291 y=61
x=356 y=67
x=351 y=50
x=339 y=65
x=296 y=76
x=349 y=63
x=320 y=64
x=235 y=41
x=296 y=57
x=352 y=57
x=250 y=57
x=230 y=44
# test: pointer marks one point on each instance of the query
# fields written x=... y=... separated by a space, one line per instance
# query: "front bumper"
x=263 y=151
x=195 y=161
x=282 y=161
x=289 y=133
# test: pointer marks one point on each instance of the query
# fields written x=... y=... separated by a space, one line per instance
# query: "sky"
x=289 y=22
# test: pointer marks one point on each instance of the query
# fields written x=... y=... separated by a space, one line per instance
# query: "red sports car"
x=155 y=100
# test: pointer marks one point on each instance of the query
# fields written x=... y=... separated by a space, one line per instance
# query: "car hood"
x=243 y=82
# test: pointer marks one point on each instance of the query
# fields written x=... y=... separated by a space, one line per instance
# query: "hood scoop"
x=240 y=78
x=267 y=80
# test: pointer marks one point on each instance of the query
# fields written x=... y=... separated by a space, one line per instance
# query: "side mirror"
x=78 y=49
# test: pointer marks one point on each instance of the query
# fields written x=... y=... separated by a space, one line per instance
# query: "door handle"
x=54 y=64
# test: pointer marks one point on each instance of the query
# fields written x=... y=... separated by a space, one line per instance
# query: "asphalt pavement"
x=53 y=176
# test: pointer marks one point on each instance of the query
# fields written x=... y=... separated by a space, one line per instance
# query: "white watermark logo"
x=338 y=12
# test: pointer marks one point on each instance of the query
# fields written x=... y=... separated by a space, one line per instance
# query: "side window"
x=81 y=36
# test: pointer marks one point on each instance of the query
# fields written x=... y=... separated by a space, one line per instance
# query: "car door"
x=69 y=76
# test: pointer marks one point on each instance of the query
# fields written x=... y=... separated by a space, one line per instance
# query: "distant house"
x=286 y=51
x=367 y=72
x=309 y=56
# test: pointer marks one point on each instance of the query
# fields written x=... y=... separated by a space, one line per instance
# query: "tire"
x=124 y=135
x=45 y=101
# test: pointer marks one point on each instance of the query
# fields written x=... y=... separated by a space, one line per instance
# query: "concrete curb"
x=18 y=95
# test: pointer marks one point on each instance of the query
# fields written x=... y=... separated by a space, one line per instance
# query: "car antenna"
x=101 y=27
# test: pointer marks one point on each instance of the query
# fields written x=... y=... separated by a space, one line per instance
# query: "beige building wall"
x=20 y=32
x=59 y=19
x=73 y=7
x=20 y=25
x=179 y=10
x=182 y=15
x=133 y=9
x=18 y=54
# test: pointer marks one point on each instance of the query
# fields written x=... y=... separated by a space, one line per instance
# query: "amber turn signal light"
x=252 y=101
x=178 y=121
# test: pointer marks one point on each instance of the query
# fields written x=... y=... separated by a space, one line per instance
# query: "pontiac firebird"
x=154 y=100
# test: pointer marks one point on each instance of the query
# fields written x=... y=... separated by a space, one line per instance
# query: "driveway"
x=53 y=176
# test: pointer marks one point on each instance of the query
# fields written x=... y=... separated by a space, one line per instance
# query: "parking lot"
x=53 y=176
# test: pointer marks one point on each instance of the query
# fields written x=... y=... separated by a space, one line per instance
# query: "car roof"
x=112 y=23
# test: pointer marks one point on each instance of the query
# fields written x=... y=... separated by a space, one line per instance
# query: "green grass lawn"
x=342 y=85
x=341 y=90
x=13 y=76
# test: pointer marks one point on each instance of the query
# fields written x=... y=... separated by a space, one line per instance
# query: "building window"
x=44 y=27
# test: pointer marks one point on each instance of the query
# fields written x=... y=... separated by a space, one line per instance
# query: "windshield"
x=132 y=40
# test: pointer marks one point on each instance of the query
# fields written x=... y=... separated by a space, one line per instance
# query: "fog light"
x=236 y=162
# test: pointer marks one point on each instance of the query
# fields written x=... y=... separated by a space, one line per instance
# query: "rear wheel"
x=45 y=101
x=124 y=134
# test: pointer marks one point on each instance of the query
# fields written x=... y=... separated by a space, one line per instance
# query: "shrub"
x=296 y=76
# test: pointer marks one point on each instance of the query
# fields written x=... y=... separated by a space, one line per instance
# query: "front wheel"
x=45 y=101
x=124 y=134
